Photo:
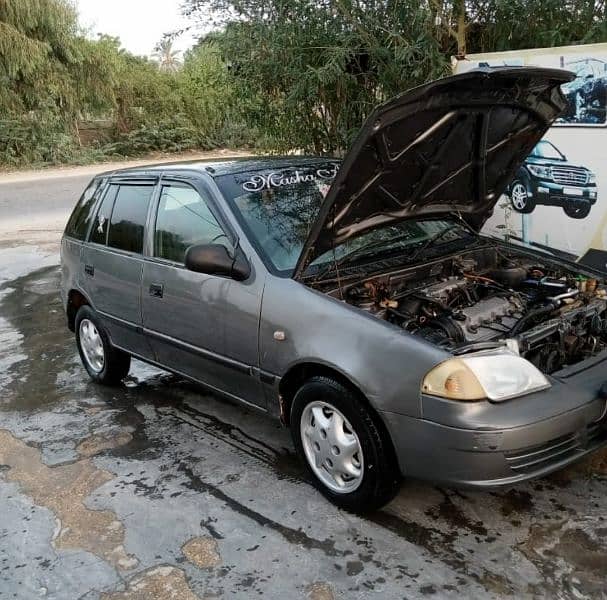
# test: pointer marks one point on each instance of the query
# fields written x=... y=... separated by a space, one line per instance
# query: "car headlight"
x=591 y=178
x=495 y=376
x=539 y=171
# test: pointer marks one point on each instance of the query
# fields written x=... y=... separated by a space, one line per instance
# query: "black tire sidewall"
x=380 y=475
x=112 y=373
x=576 y=212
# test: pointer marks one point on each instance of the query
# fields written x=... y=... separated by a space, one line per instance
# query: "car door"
x=112 y=262
x=189 y=316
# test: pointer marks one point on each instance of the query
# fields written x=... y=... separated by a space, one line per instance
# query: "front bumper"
x=554 y=194
x=486 y=456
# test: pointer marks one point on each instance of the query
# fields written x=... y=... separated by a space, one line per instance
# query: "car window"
x=79 y=221
x=546 y=150
x=102 y=219
x=184 y=220
x=127 y=223
x=278 y=209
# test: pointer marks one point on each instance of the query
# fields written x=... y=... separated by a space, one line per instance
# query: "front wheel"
x=343 y=447
x=577 y=212
x=104 y=363
x=520 y=199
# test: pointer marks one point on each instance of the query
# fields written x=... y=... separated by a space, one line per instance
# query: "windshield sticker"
x=274 y=179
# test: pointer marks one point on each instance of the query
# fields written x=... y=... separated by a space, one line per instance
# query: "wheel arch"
x=524 y=175
x=521 y=174
x=299 y=373
x=75 y=299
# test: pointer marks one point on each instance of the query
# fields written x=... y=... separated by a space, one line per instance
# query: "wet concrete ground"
x=158 y=490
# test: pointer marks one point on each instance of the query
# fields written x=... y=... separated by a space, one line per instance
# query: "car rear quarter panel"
x=384 y=363
x=70 y=267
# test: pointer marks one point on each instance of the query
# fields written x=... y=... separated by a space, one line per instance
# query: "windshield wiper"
x=362 y=251
x=431 y=241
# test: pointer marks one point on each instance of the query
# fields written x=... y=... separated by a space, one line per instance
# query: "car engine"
x=556 y=317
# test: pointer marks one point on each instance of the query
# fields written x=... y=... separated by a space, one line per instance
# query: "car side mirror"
x=214 y=259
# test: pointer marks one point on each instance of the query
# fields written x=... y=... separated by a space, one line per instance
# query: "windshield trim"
x=242 y=222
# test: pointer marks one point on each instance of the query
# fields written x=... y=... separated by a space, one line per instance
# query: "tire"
x=104 y=363
x=378 y=475
x=577 y=212
x=519 y=197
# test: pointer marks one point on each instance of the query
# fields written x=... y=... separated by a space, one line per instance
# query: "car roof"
x=217 y=168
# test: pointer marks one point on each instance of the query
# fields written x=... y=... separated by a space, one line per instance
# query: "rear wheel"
x=343 y=447
x=104 y=363
x=519 y=197
x=577 y=211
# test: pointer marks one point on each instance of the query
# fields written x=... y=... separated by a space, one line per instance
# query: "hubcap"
x=519 y=196
x=92 y=345
x=332 y=447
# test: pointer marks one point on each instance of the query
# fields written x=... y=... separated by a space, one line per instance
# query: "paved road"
x=28 y=208
x=35 y=203
x=158 y=490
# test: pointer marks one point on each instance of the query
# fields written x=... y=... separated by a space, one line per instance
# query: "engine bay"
x=557 y=318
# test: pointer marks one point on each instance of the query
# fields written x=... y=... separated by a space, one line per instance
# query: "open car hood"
x=450 y=146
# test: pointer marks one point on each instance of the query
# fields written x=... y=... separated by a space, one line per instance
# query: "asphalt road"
x=158 y=490
x=33 y=209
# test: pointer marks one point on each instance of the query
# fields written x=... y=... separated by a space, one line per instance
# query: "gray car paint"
x=451 y=145
x=113 y=278
x=455 y=442
x=201 y=334
x=244 y=338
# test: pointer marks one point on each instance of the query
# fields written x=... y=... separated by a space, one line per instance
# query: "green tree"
x=475 y=26
x=308 y=72
x=166 y=55
x=208 y=97
x=45 y=64
x=49 y=75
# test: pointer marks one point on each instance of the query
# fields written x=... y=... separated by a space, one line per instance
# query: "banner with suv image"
x=556 y=201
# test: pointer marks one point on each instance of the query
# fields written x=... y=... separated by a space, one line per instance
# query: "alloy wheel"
x=519 y=196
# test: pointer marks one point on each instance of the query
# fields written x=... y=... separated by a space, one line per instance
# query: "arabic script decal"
x=274 y=179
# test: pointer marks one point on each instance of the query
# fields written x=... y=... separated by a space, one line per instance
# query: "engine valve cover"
x=482 y=319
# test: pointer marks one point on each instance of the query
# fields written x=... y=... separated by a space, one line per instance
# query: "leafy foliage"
x=309 y=71
x=495 y=25
x=168 y=58
x=53 y=76
x=281 y=75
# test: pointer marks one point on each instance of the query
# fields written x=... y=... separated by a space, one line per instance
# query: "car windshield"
x=547 y=150
x=278 y=209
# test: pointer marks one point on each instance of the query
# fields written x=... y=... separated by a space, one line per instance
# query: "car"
x=546 y=177
x=355 y=301
x=587 y=93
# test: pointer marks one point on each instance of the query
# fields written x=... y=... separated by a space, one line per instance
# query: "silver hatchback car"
x=357 y=301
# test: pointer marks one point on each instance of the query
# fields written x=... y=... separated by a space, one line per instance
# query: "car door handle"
x=156 y=290
x=89 y=270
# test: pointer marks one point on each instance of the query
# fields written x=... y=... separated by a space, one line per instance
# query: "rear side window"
x=79 y=221
x=102 y=220
x=184 y=220
x=127 y=223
